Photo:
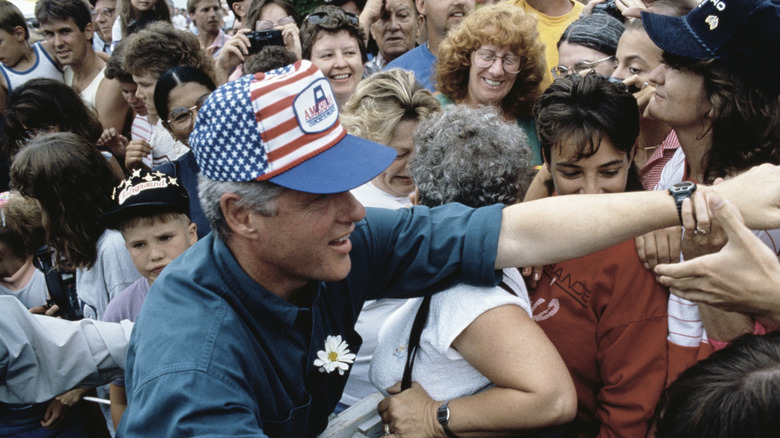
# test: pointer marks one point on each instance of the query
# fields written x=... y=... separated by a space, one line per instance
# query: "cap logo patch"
x=156 y=180
x=712 y=21
x=719 y=5
x=315 y=107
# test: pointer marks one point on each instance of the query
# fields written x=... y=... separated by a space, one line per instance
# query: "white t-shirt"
x=375 y=312
x=439 y=368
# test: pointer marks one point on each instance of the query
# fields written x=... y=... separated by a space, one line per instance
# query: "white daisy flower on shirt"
x=336 y=356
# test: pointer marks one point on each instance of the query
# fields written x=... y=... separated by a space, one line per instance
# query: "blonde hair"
x=384 y=99
x=504 y=25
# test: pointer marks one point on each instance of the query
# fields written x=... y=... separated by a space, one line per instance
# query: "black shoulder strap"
x=414 y=341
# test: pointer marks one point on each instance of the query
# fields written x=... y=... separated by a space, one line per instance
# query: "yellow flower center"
x=333 y=356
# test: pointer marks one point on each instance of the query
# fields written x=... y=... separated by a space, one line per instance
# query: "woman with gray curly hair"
x=385 y=108
x=479 y=349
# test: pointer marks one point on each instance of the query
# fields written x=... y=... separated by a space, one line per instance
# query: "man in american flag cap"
x=251 y=331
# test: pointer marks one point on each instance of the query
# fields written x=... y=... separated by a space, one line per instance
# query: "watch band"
x=680 y=192
x=443 y=415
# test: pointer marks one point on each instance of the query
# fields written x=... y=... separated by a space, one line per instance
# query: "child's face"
x=10 y=48
x=153 y=245
x=606 y=171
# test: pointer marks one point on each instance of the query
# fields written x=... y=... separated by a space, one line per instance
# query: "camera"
x=262 y=38
x=61 y=285
x=610 y=8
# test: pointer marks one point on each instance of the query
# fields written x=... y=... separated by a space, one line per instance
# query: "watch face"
x=683 y=187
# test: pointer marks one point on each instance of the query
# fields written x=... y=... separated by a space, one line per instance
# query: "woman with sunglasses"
x=333 y=41
x=589 y=44
x=494 y=58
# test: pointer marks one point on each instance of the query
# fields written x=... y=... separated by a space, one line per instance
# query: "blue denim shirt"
x=213 y=353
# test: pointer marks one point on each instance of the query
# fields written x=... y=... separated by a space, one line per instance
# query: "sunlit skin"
x=70 y=44
x=184 y=96
x=489 y=85
x=636 y=55
x=153 y=245
x=337 y=55
x=146 y=83
x=307 y=240
x=680 y=99
x=443 y=15
x=395 y=180
x=570 y=54
x=606 y=171
x=396 y=30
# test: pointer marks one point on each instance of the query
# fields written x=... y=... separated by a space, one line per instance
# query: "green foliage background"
x=305 y=6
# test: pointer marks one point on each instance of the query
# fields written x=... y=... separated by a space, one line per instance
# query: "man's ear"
x=89 y=30
x=420 y=25
x=420 y=4
x=237 y=217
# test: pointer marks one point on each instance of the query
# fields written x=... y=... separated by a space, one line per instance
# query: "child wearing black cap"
x=152 y=213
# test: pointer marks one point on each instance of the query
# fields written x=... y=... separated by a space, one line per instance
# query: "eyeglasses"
x=560 y=71
x=485 y=58
x=29 y=134
x=324 y=18
x=268 y=25
x=106 y=12
x=181 y=118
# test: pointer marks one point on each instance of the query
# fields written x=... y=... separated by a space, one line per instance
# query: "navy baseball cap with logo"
x=145 y=192
x=743 y=34
x=283 y=126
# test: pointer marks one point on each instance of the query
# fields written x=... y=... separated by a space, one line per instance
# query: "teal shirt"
x=527 y=124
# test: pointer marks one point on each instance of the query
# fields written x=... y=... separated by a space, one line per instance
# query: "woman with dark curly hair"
x=467 y=71
x=714 y=92
x=333 y=41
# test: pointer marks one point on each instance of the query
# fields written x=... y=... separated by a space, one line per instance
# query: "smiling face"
x=155 y=243
x=636 y=55
x=70 y=44
x=489 y=85
x=396 y=30
x=443 y=15
x=680 y=99
x=395 y=180
x=606 y=171
x=307 y=240
x=181 y=99
x=337 y=55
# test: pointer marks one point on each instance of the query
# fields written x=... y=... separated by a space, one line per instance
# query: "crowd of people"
x=243 y=223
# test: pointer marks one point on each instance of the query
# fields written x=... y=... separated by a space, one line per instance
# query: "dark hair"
x=269 y=58
x=335 y=22
x=585 y=109
x=257 y=6
x=129 y=25
x=731 y=394
x=11 y=17
x=172 y=79
x=599 y=32
x=46 y=102
x=72 y=181
x=47 y=11
x=115 y=66
x=745 y=121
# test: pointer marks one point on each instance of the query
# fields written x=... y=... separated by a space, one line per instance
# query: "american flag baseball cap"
x=283 y=126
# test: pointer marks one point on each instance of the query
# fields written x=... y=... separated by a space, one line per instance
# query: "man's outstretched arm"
x=42 y=357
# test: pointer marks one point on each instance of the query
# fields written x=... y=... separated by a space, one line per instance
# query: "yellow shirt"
x=550 y=31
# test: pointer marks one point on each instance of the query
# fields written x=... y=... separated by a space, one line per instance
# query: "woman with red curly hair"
x=467 y=72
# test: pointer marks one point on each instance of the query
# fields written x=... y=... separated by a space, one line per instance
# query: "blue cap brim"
x=673 y=35
x=350 y=163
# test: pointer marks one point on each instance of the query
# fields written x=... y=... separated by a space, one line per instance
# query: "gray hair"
x=259 y=196
x=471 y=156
